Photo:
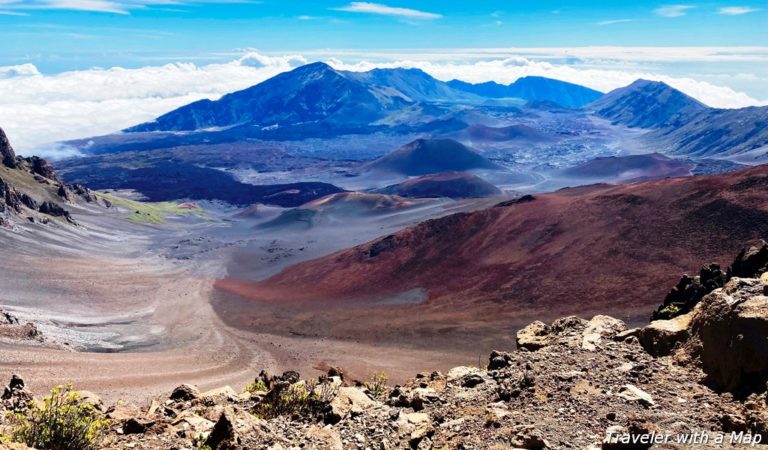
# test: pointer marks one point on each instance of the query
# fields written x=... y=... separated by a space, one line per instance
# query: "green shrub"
x=61 y=422
x=285 y=400
x=670 y=311
x=256 y=386
x=378 y=384
x=299 y=400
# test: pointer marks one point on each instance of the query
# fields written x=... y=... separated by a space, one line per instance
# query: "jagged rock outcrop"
x=10 y=200
x=15 y=396
x=726 y=330
x=689 y=291
x=7 y=155
x=55 y=210
x=569 y=331
x=40 y=166
x=12 y=328
x=751 y=262
x=16 y=193
x=729 y=330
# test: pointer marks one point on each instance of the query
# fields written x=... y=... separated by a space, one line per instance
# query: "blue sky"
x=74 y=34
x=77 y=68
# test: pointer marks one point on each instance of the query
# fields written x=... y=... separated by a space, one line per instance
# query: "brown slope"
x=592 y=247
x=631 y=167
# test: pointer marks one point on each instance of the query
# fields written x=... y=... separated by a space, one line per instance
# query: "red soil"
x=597 y=247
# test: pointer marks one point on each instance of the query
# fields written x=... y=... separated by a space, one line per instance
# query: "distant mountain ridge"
x=318 y=93
x=312 y=93
x=533 y=88
x=684 y=126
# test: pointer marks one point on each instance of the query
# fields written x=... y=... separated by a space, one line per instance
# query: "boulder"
x=750 y=262
x=192 y=425
x=185 y=392
x=136 y=425
x=122 y=412
x=528 y=437
x=348 y=401
x=64 y=193
x=223 y=432
x=730 y=330
x=89 y=398
x=633 y=393
x=600 y=327
x=660 y=337
x=52 y=209
x=534 y=336
x=222 y=394
x=15 y=396
x=471 y=380
x=40 y=166
x=457 y=374
x=499 y=360
x=568 y=331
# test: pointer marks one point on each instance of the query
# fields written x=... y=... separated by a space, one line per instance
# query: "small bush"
x=298 y=400
x=378 y=384
x=285 y=400
x=670 y=311
x=256 y=386
x=61 y=422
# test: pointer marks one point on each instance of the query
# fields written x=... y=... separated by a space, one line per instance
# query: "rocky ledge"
x=698 y=378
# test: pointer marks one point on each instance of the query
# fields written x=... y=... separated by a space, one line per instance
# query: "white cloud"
x=602 y=79
x=85 y=5
x=736 y=10
x=673 y=10
x=18 y=71
x=385 y=10
x=614 y=21
x=18 y=7
x=36 y=108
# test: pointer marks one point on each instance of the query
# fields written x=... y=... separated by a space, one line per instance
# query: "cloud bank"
x=37 y=109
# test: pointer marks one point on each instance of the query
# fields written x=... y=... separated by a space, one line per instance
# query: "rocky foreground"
x=697 y=378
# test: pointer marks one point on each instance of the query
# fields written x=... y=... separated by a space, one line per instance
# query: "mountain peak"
x=648 y=104
x=643 y=83
x=317 y=66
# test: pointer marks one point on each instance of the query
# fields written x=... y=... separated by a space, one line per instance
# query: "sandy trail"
x=189 y=342
x=157 y=310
